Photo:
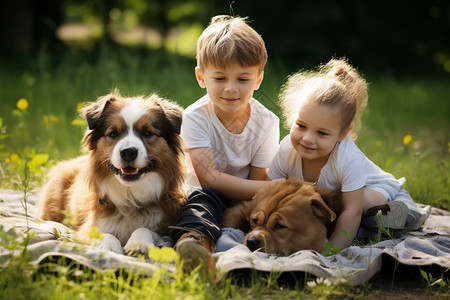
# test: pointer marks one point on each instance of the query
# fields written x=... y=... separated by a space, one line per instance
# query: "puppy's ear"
x=173 y=113
x=322 y=211
x=319 y=208
x=332 y=198
x=94 y=110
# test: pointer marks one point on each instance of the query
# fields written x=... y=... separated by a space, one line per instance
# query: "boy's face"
x=231 y=88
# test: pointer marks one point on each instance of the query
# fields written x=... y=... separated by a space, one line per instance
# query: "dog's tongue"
x=129 y=171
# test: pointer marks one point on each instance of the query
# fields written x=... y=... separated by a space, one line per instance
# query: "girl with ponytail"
x=323 y=110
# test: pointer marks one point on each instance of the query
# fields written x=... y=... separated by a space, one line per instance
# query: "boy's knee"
x=208 y=196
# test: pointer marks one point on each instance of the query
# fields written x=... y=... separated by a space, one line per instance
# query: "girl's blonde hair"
x=228 y=40
x=336 y=84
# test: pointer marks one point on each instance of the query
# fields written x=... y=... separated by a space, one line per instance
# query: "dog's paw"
x=139 y=242
x=111 y=243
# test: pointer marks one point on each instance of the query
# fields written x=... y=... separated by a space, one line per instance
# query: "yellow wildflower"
x=22 y=104
x=49 y=119
x=379 y=143
x=54 y=118
x=80 y=105
x=163 y=254
x=407 y=139
x=94 y=233
x=14 y=157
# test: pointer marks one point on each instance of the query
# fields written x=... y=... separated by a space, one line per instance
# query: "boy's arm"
x=230 y=186
x=349 y=219
x=258 y=173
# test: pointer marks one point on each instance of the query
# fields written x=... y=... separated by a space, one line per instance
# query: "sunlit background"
x=396 y=37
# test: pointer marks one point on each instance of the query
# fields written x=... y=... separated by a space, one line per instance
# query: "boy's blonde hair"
x=336 y=84
x=228 y=40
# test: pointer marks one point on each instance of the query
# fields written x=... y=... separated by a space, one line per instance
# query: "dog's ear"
x=94 y=110
x=173 y=113
x=332 y=198
x=321 y=210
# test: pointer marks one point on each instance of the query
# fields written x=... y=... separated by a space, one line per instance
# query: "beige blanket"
x=429 y=246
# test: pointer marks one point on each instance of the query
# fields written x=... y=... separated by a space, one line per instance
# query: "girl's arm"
x=349 y=219
x=230 y=186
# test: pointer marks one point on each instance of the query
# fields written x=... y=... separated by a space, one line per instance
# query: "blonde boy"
x=230 y=138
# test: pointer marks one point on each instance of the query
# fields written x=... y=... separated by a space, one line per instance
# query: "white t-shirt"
x=347 y=169
x=234 y=154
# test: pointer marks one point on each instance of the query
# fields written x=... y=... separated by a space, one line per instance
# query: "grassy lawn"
x=406 y=131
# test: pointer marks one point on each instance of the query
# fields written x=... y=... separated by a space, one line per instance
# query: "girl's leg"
x=372 y=198
x=393 y=214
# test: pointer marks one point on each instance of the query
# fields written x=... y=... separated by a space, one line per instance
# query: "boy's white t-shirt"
x=255 y=146
x=347 y=169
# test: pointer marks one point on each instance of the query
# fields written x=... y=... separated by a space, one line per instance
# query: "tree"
x=25 y=25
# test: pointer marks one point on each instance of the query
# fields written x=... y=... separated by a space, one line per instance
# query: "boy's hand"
x=208 y=175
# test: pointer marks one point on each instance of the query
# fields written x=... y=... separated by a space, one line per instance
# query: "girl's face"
x=316 y=131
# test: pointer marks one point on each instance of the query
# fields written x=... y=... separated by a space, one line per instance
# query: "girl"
x=323 y=109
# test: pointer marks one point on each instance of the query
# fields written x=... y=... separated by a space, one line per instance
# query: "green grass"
x=419 y=108
x=44 y=134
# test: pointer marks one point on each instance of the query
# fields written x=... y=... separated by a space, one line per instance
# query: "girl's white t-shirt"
x=234 y=154
x=347 y=169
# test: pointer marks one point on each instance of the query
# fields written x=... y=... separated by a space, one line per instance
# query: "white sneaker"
x=425 y=213
x=396 y=217
x=393 y=215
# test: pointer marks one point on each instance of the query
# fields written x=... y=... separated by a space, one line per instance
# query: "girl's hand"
x=349 y=219
x=324 y=245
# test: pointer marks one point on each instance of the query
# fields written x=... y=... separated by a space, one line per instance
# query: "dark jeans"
x=202 y=212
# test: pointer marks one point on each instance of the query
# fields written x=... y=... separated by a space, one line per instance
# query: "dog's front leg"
x=139 y=242
x=111 y=243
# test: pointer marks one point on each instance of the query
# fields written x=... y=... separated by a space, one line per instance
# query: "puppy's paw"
x=139 y=242
x=111 y=243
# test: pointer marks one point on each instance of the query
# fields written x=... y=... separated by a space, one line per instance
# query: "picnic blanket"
x=429 y=246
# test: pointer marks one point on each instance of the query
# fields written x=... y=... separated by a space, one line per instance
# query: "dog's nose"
x=253 y=243
x=129 y=154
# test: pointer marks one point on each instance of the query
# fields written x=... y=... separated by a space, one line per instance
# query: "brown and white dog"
x=286 y=216
x=130 y=183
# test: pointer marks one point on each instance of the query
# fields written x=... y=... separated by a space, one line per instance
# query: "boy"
x=230 y=138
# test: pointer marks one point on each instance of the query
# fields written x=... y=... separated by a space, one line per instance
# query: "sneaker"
x=424 y=214
x=196 y=249
x=393 y=215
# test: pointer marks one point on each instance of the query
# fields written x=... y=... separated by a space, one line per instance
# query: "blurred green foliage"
x=388 y=37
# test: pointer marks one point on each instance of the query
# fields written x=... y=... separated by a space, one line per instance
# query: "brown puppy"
x=130 y=183
x=286 y=216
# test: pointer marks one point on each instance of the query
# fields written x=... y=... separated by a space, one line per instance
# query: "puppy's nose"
x=253 y=243
x=129 y=154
